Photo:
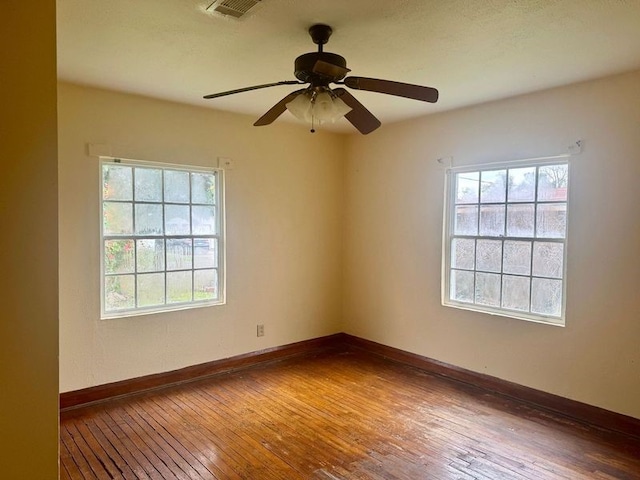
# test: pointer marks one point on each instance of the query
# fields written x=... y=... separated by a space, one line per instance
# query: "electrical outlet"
x=260 y=330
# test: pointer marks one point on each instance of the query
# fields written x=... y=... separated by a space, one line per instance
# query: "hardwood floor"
x=334 y=416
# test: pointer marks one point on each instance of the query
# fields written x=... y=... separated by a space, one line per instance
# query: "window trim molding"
x=449 y=220
x=221 y=236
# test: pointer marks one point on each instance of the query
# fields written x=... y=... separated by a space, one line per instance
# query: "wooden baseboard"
x=578 y=411
x=572 y=409
x=85 y=396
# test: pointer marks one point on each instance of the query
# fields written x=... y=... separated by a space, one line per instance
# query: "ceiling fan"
x=318 y=102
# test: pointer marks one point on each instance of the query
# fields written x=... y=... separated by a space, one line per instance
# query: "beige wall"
x=394 y=198
x=293 y=199
x=29 y=242
x=284 y=235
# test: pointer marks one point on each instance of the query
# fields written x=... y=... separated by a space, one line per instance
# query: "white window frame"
x=219 y=236
x=448 y=236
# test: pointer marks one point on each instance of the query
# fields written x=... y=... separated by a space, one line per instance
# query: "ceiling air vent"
x=235 y=8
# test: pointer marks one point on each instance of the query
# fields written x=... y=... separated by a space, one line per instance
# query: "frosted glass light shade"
x=329 y=109
x=340 y=109
x=321 y=108
x=300 y=107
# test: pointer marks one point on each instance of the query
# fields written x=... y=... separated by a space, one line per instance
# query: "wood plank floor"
x=334 y=416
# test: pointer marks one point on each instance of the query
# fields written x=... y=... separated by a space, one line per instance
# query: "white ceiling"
x=472 y=51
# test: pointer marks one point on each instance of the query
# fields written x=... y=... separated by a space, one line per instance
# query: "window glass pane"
x=515 y=292
x=118 y=256
x=119 y=292
x=176 y=220
x=205 y=253
x=489 y=255
x=116 y=182
x=204 y=220
x=492 y=220
x=463 y=253
x=522 y=183
x=517 y=257
x=466 y=220
x=179 y=254
x=203 y=188
x=507 y=229
x=179 y=287
x=148 y=184
x=548 y=259
x=117 y=218
x=176 y=186
x=488 y=289
x=493 y=186
x=150 y=289
x=520 y=220
x=546 y=296
x=161 y=237
x=461 y=288
x=205 y=285
x=552 y=182
x=467 y=187
x=551 y=220
x=148 y=219
x=150 y=255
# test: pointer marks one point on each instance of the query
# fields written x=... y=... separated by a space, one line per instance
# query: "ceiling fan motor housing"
x=304 y=67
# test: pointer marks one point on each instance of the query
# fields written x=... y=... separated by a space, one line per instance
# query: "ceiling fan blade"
x=407 y=90
x=277 y=110
x=255 y=87
x=329 y=69
x=359 y=116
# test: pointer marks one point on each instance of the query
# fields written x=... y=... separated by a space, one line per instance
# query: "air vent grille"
x=235 y=8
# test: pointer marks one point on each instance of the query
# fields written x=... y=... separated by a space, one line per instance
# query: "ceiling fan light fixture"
x=318 y=107
x=328 y=108
x=300 y=107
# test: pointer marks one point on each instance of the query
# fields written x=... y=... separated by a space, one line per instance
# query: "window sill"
x=165 y=309
x=553 y=321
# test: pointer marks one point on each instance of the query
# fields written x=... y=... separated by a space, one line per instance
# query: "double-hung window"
x=162 y=237
x=505 y=239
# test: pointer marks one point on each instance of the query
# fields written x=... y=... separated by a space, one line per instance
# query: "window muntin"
x=505 y=240
x=162 y=237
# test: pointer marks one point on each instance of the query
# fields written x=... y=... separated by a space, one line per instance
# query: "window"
x=505 y=240
x=162 y=237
